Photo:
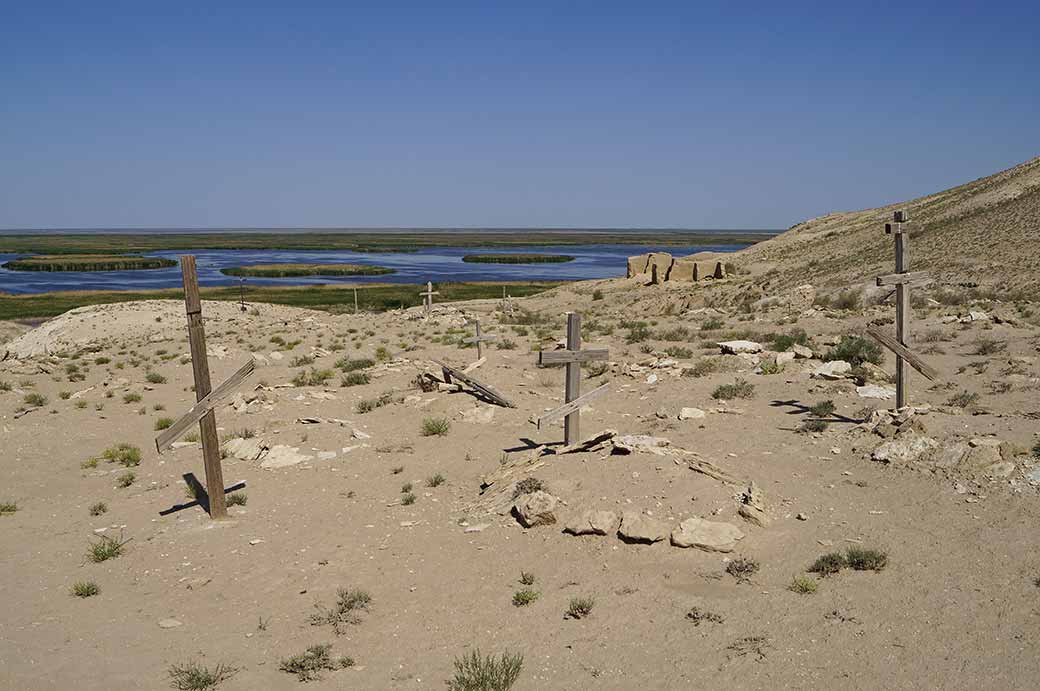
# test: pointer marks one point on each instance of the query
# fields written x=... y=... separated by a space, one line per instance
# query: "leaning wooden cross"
x=207 y=399
x=573 y=356
x=903 y=280
x=479 y=340
x=428 y=297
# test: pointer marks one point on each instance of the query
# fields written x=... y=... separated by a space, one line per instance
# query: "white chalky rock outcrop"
x=709 y=536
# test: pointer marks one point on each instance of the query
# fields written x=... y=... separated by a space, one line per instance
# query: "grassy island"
x=88 y=262
x=518 y=258
x=292 y=270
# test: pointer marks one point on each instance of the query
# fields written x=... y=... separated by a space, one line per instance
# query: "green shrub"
x=435 y=480
x=98 y=508
x=522 y=598
x=194 y=677
x=638 y=334
x=354 y=379
x=579 y=607
x=741 y=388
x=435 y=426
x=813 y=426
x=348 y=365
x=823 y=408
x=712 y=325
x=126 y=479
x=828 y=564
x=702 y=368
x=131 y=397
x=804 y=585
x=855 y=350
x=312 y=377
x=236 y=499
x=677 y=352
x=85 y=589
x=163 y=423
x=309 y=665
x=408 y=499
x=476 y=672
x=847 y=300
x=782 y=342
x=863 y=559
x=35 y=400
x=155 y=378
x=104 y=549
x=8 y=508
x=122 y=453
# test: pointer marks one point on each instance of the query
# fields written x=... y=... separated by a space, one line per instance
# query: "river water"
x=438 y=264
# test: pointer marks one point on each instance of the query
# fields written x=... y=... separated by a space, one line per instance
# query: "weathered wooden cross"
x=206 y=399
x=573 y=356
x=428 y=296
x=903 y=280
x=479 y=340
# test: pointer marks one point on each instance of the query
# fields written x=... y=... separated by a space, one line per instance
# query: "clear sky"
x=592 y=114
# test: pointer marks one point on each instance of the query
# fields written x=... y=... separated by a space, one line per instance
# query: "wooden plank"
x=200 y=365
x=913 y=279
x=899 y=349
x=572 y=406
x=483 y=389
x=572 y=392
x=206 y=404
x=556 y=357
x=902 y=317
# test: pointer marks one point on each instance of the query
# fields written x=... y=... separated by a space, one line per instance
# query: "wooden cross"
x=207 y=399
x=573 y=356
x=428 y=299
x=479 y=340
x=903 y=280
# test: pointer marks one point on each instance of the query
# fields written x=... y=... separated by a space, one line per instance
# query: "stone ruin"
x=657 y=267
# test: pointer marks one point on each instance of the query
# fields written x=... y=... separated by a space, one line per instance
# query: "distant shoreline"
x=403 y=240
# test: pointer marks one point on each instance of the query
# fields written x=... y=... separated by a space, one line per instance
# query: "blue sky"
x=592 y=114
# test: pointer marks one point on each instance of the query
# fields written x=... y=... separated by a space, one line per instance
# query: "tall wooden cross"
x=479 y=340
x=573 y=356
x=903 y=280
x=428 y=296
x=206 y=399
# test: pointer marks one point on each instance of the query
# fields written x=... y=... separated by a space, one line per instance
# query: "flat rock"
x=593 y=523
x=691 y=414
x=537 y=508
x=907 y=449
x=282 y=456
x=244 y=449
x=632 y=443
x=801 y=352
x=837 y=369
x=736 y=347
x=874 y=391
x=638 y=528
x=169 y=623
x=709 y=536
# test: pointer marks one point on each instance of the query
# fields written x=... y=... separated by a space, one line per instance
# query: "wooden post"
x=200 y=365
x=355 y=300
x=480 y=344
x=902 y=307
x=571 y=423
x=428 y=297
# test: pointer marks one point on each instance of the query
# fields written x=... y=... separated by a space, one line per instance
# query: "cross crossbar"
x=572 y=406
x=910 y=278
x=902 y=351
x=558 y=357
x=203 y=406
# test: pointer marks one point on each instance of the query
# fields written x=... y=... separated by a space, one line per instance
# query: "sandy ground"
x=956 y=606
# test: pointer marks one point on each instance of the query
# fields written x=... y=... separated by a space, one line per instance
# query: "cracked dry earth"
x=955 y=606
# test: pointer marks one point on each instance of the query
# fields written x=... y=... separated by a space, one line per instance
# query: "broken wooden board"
x=568 y=408
x=594 y=443
x=483 y=389
x=901 y=350
x=713 y=471
x=203 y=406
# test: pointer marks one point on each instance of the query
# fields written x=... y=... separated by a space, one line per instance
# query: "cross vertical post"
x=480 y=344
x=902 y=305
x=200 y=365
x=428 y=297
x=355 y=300
x=571 y=423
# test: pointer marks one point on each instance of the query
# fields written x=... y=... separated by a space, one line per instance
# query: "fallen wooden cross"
x=483 y=389
x=903 y=280
x=479 y=340
x=428 y=297
x=206 y=398
x=573 y=356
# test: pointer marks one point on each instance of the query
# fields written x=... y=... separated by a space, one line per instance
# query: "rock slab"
x=709 y=536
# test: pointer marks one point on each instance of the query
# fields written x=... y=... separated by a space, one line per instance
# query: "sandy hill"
x=985 y=232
